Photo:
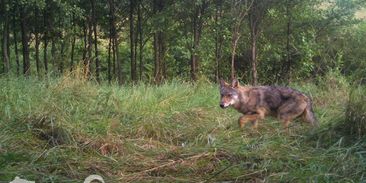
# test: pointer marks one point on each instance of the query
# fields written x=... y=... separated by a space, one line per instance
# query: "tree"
x=25 y=38
x=159 y=45
x=240 y=9
x=5 y=36
x=94 y=20
x=256 y=14
x=15 y=12
x=132 y=40
x=197 y=25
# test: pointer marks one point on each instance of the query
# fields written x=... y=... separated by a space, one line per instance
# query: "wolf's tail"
x=309 y=113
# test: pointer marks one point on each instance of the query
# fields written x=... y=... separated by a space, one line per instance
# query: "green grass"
x=64 y=129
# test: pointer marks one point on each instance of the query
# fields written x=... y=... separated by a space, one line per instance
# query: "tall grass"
x=65 y=129
x=356 y=112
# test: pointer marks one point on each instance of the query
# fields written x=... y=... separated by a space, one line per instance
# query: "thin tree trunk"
x=8 y=39
x=53 y=54
x=288 y=52
x=195 y=46
x=197 y=30
x=234 y=45
x=37 y=39
x=62 y=55
x=116 y=60
x=94 y=20
x=254 y=56
x=24 y=31
x=132 y=41
x=109 y=74
x=217 y=39
x=89 y=48
x=85 y=38
x=139 y=30
x=16 y=44
x=159 y=48
x=37 y=53
x=162 y=54
x=73 y=44
x=253 y=25
x=45 y=41
x=5 y=43
x=157 y=75
x=114 y=70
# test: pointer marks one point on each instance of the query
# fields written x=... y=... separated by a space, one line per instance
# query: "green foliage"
x=322 y=36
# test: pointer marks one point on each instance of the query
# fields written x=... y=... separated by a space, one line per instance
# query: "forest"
x=128 y=89
x=272 y=41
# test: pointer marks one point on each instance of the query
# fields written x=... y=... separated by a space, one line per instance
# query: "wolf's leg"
x=247 y=118
x=261 y=113
x=290 y=110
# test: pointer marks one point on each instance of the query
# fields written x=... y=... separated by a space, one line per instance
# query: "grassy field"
x=66 y=129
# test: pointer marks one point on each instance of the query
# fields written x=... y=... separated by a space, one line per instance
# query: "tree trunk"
x=234 y=45
x=139 y=30
x=53 y=54
x=159 y=51
x=254 y=56
x=16 y=44
x=288 y=35
x=157 y=74
x=132 y=41
x=116 y=60
x=159 y=48
x=89 y=48
x=62 y=54
x=37 y=53
x=37 y=39
x=8 y=38
x=94 y=20
x=194 y=56
x=197 y=30
x=24 y=31
x=114 y=70
x=45 y=41
x=254 y=18
x=73 y=44
x=85 y=43
x=72 y=52
x=109 y=74
x=218 y=39
x=5 y=43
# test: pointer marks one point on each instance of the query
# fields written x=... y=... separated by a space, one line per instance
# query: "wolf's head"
x=229 y=93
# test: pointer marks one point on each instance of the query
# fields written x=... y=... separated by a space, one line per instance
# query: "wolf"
x=257 y=102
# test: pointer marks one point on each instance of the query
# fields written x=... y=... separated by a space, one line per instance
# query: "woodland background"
x=128 y=90
x=265 y=41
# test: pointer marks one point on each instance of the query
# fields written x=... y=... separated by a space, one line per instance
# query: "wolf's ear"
x=222 y=83
x=234 y=83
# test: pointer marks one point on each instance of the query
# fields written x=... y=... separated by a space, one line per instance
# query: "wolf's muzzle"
x=223 y=106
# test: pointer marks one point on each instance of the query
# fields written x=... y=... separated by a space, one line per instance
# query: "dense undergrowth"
x=62 y=130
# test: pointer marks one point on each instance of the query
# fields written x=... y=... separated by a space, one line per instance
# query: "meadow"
x=62 y=130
